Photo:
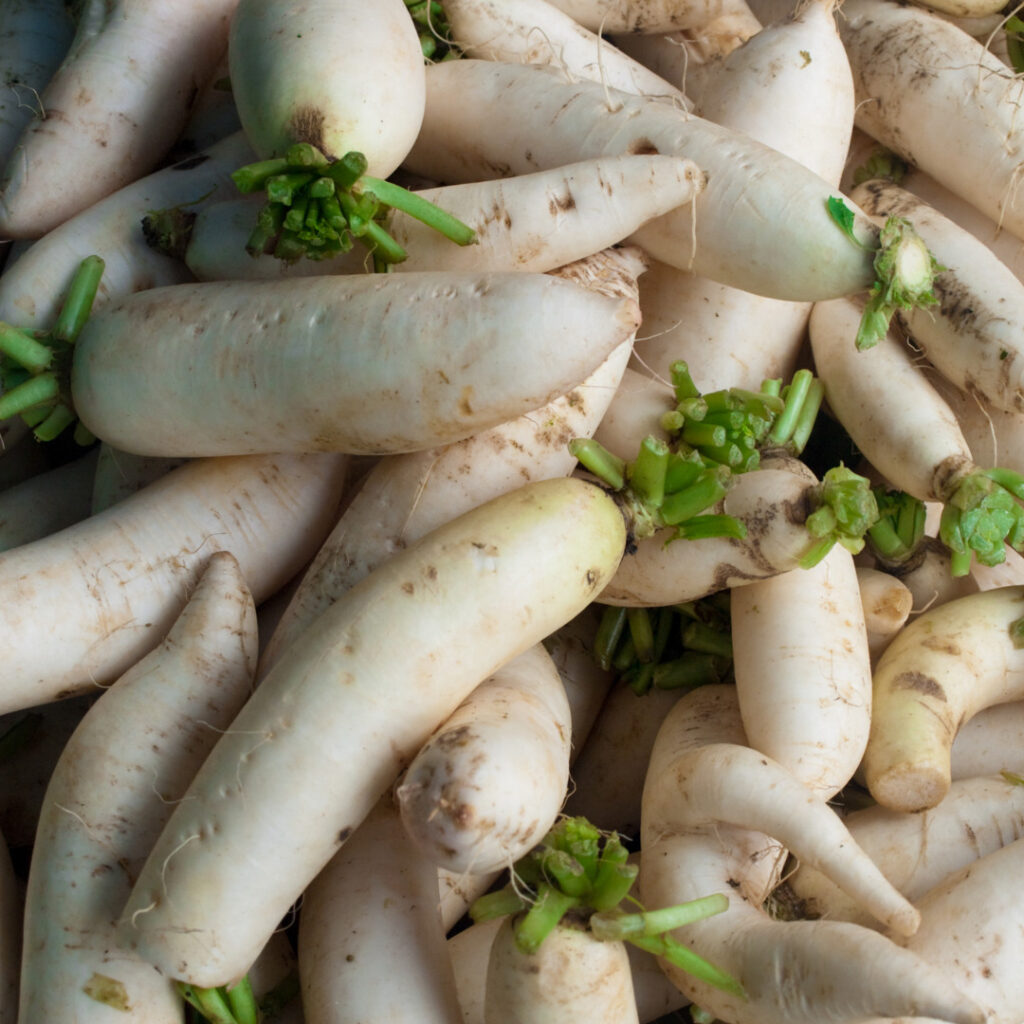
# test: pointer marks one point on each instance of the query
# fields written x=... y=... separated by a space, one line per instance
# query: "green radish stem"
x=434 y=31
x=847 y=510
x=895 y=537
x=35 y=368
x=980 y=516
x=318 y=208
x=905 y=272
x=577 y=869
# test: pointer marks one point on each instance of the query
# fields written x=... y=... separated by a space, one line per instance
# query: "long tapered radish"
x=931 y=92
x=723 y=236
x=532 y=222
x=109 y=587
x=350 y=703
x=971 y=335
x=803 y=670
x=337 y=363
x=381 y=881
x=488 y=785
x=537 y=32
x=407 y=496
x=113 y=108
x=922 y=693
x=124 y=768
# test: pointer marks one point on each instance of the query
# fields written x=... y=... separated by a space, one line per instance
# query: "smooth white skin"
x=123 y=770
x=113 y=108
x=371 y=942
x=803 y=670
x=119 y=474
x=973 y=933
x=941 y=100
x=84 y=604
x=773 y=503
x=547 y=122
x=636 y=409
x=795 y=971
x=537 y=32
x=972 y=335
x=694 y=787
x=887 y=404
x=34 y=37
x=931 y=581
x=47 y=502
x=343 y=75
x=944 y=667
x=918 y=851
x=886 y=602
x=647 y=17
x=489 y=783
x=32 y=289
x=571 y=979
x=989 y=742
x=531 y=222
x=348 y=707
x=406 y=496
x=368 y=364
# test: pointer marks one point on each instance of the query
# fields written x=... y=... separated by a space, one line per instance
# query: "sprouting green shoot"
x=1013 y=28
x=35 y=368
x=896 y=537
x=846 y=510
x=434 y=31
x=905 y=272
x=580 y=871
x=223 y=1005
x=319 y=208
x=981 y=516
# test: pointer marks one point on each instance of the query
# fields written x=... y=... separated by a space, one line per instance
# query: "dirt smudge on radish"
x=920 y=682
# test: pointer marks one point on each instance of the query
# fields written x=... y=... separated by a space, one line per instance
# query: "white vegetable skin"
x=944 y=667
x=649 y=17
x=972 y=335
x=85 y=604
x=531 y=222
x=32 y=289
x=990 y=742
x=406 y=496
x=537 y=32
x=934 y=95
x=547 y=122
x=919 y=851
x=886 y=602
x=371 y=364
x=489 y=783
x=124 y=768
x=348 y=707
x=112 y=109
x=573 y=978
x=119 y=474
x=299 y=73
x=368 y=918
x=974 y=934
x=803 y=670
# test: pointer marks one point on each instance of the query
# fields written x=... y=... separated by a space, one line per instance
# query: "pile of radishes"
x=499 y=452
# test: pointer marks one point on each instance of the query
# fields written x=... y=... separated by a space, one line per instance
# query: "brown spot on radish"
x=307 y=125
x=943 y=645
x=408 y=587
x=643 y=147
x=344 y=833
x=561 y=203
x=920 y=682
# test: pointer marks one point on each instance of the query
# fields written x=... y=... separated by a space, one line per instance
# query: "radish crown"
x=576 y=870
x=35 y=369
x=904 y=267
x=319 y=208
x=234 y=1005
x=980 y=516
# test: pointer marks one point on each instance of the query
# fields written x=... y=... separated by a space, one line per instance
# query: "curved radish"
x=347 y=706
x=110 y=586
x=124 y=768
x=352 y=353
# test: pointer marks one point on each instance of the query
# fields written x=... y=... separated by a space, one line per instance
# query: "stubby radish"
x=337 y=363
x=835 y=971
x=347 y=707
x=110 y=586
x=934 y=94
x=918 y=851
x=488 y=785
x=34 y=38
x=537 y=32
x=901 y=424
x=547 y=122
x=887 y=603
x=531 y=222
x=406 y=496
x=971 y=335
x=369 y=918
x=803 y=670
x=112 y=109
x=124 y=768
x=924 y=691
